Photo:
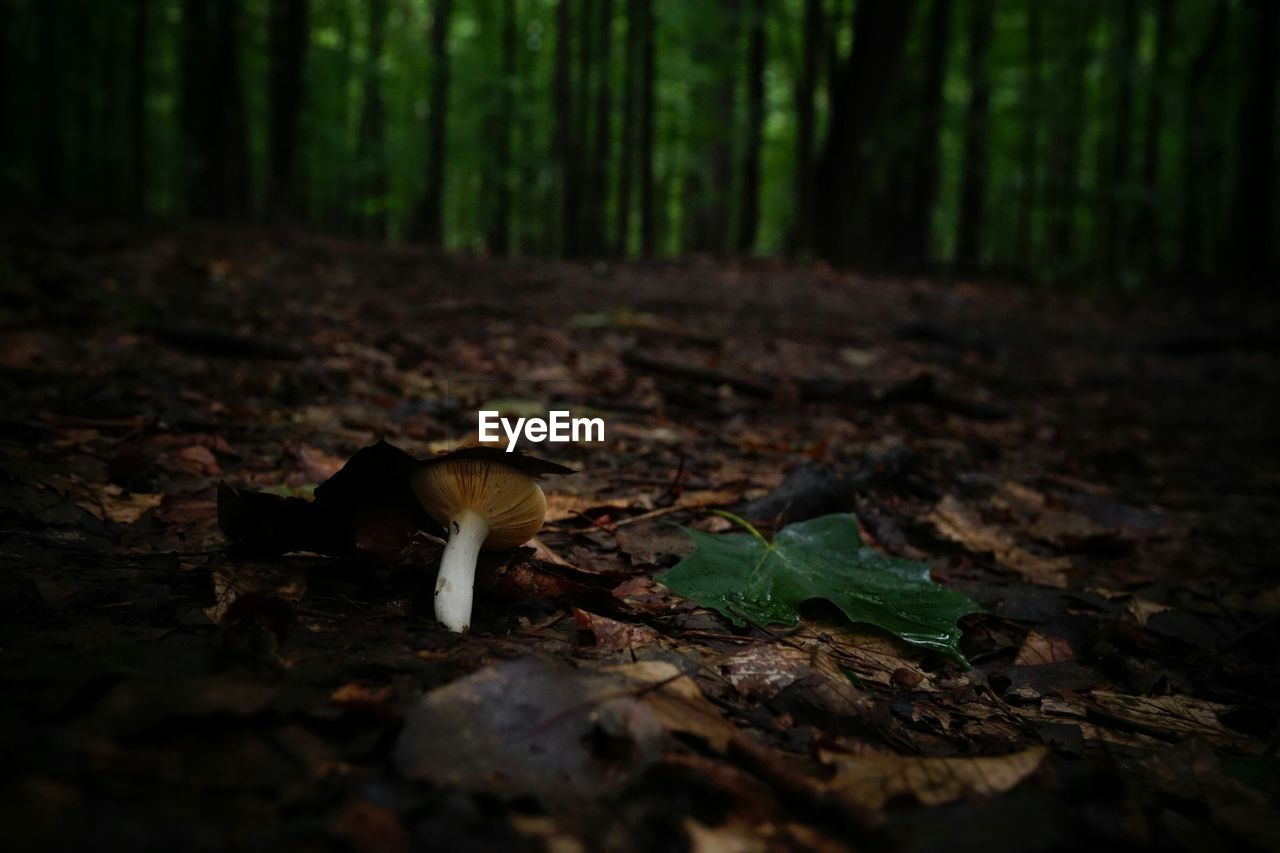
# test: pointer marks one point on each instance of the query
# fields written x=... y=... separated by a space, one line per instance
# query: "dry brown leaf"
x=962 y=524
x=196 y=459
x=1179 y=715
x=872 y=782
x=543 y=553
x=110 y=503
x=317 y=465
x=361 y=695
x=872 y=657
x=614 y=634
x=765 y=670
x=677 y=702
x=561 y=507
x=730 y=838
x=1039 y=649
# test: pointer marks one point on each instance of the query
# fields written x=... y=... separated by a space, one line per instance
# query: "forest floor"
x=1102 y=476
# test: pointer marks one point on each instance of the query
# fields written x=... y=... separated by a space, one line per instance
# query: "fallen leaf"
x=747 y=578
x=962 y=524
x=111 y=503
x=763 y=671
x=197 y=460
x=873 y=782
x=1039 y=649
x=614 y=634
x=1177 y=715
x=534 y=727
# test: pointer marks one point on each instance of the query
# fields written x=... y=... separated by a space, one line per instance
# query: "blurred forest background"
x=1110 y=142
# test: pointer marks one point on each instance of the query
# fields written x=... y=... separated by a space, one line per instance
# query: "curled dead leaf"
x=962 y=524
x=873 y=782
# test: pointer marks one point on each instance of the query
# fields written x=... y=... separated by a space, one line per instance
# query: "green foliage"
x=1056 y=214
x=747 y=578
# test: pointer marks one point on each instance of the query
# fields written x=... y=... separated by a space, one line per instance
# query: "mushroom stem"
x=455 y=585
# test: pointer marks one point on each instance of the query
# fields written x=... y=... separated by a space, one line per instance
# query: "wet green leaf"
x=749 y=579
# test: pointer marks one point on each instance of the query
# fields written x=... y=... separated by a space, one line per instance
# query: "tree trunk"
x=600 y=158
x=708 y=184
x=578 y=240
x=1116 y=172
x=806 y=127
x=973 y=189
x=1255 y=184
x=371 y=151
x=749 y=209
x=227 y=144
x=1065 y=143
x=138 y=108
x=1033 y=96
x=499 y=232
x=1194 y=142
x=192 y=115
x=429 y=219
x=1147 y=227
x=287 y=38
x=648 y=111
x=626 y=157
x=565 y=149
x=924 y=181
x=861 y=90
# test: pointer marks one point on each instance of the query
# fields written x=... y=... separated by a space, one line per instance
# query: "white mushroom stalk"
x=455 y=585
x=484 y=504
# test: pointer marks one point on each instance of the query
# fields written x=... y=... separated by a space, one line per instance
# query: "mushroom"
x=483 y=504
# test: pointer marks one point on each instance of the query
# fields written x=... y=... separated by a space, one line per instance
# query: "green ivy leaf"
x=747 y=578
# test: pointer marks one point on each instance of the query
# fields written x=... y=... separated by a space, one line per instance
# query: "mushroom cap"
x=507 y=499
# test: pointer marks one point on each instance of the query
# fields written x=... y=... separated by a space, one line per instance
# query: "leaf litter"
x=1120 y=543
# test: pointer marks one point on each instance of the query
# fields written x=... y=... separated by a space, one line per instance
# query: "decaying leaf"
x=613 y=633
x=873 y=782
x=1176 y=715
x=1038 y=649
x=544 y=729
x=961 y=524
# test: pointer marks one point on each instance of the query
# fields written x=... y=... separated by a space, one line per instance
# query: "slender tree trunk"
x=973 y=189
x=806 y=126
x=227 y=146
x=579 y=216
x=565 y=148
x=1194 y=143
x=429 y=220
x=81 y=60
x=749 y=209
x=924 y=180
x=1116 y=169
x=626 y=157
x=371 y=151
x=1033 y=96
x=861 y=90
x=831 y=35
x=600 y=157
x=138 y=108
x=499 y=232
x=1147 y=227
x=193 y=116
x=709 y=181
x=1065 y=144
x=1255 y=184
x=648 y=114
x=287 y=37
